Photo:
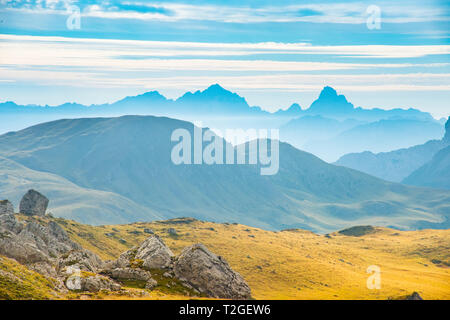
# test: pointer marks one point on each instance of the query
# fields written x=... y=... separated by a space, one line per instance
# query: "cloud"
x=121 y=49
x=109 y=63
x=335 y=12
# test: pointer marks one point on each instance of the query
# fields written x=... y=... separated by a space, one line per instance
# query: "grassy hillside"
x=68 y=199
x=17 y=282
x=297 y=264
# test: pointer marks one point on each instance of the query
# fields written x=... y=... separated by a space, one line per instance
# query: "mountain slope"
x=392 y=166
x=300 y=130
x=67 y=199
x=380 y=136
x=395 y=165
x=435 y=173
x=17 y=282
x=130 y=156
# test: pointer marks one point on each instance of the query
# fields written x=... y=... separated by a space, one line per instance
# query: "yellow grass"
x=298 y=264
x=18 y=282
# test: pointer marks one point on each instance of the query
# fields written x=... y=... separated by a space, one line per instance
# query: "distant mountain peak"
x=330 y=102
x=293 y=110
x=295 y=107
x=328 y=92
x=215 y=94
x=216 y=88
x=150 y=96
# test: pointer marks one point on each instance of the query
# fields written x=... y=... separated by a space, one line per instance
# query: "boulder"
x=151 y=283
x=9 y=223
x=128 y=274
x=210 y=274
x=33 y=203
x=172 y=232
x=414 y=296
x=96 y=283
x=81 y=259
x=150 y=254
x=6 y=207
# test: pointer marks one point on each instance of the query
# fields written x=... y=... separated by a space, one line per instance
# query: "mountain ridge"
x=399 y=164
x=130 y=156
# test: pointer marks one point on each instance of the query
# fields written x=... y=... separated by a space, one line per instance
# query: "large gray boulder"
x=152 y=253
x=79 y=281
x=210 y=274
x=33 y=203
x=81 y=259
x=6 y=207
x=97 y=282
x=128 y=274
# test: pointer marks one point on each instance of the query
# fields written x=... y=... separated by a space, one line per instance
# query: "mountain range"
x=129 y=157
x=329 y=128
x=436 y=172
x=427 y=164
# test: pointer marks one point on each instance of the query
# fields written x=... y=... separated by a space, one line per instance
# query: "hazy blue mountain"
x=436 y=172
x=333 y=105
x=293 y=111
x=67 y=199
x=395 y=165
x=307 y=128
x=447 y=131
x=130 y=156
x=380 y=136
x=330 y=104
x=210 y=103
x=329 y=128
x=215 y=100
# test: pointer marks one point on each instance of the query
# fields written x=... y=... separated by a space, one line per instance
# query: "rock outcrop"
x=33 y=203
x=150 y=254
x=196 y=268
x=210 y=274
x=43 y=245
x=6 y=207
x=47 y=249
x=80 y=259
x=135 y=275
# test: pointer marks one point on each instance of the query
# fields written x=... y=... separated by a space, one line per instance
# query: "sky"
x=382 y=54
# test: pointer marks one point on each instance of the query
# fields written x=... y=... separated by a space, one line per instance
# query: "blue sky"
x=272 y=52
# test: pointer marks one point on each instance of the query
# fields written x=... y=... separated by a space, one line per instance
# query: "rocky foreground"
x=47 y=249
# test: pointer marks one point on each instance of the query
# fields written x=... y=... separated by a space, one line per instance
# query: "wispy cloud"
x=349 y=12
x=98 y=47
x=106 y=63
